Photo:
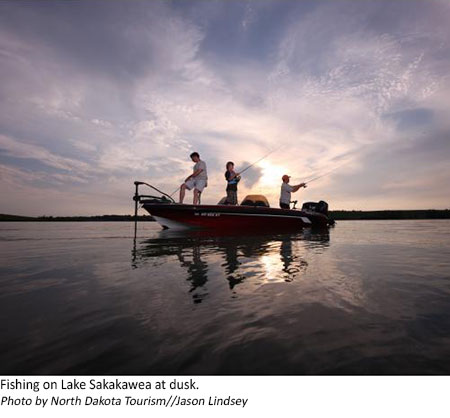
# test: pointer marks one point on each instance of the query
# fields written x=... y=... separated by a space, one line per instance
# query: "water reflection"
x=292 y=263
x=197 y=270
x=372 y=299
x=262 y=257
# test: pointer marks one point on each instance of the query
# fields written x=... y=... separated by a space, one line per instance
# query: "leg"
x=199 y=185
x=182 y=192
x=228 y=199
x=235 y=199
x=196 y=197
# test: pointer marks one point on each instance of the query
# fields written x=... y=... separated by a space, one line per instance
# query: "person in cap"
x=197 y=180
x=286 y=190
x=232 y=179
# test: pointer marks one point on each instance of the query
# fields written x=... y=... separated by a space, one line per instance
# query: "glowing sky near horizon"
x=97 y=94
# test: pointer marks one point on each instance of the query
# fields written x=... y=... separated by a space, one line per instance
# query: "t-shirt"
x=201 y=165
x=231 y=184
x=285 y=196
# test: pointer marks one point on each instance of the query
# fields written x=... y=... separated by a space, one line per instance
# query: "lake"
x=365 y=297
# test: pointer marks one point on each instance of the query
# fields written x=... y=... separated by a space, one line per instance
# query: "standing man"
x=197 y=180
x=286 y=190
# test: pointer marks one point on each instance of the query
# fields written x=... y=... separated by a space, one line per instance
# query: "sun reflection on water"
x=242 y=260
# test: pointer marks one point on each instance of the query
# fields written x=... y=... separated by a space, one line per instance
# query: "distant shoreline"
x=350 y=215
x=338 y=215
x=97 y=218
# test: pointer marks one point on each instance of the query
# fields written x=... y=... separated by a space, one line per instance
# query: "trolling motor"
x=165 y=198
x=138 y=198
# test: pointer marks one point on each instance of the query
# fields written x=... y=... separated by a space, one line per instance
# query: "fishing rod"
x=325 y=174
x=339 y=166
x=262 y=158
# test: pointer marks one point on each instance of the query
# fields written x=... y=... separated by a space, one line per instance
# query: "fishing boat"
x=254 y=213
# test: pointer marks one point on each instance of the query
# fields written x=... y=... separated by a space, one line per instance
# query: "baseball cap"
x=285 y=177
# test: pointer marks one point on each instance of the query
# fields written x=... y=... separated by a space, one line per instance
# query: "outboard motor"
x=320 y=207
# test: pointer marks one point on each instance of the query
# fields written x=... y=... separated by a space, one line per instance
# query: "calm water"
x=369 y=297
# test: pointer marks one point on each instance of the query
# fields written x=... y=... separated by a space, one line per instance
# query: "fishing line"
x=176 y=190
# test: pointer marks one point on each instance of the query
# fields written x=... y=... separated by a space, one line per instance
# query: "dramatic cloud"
x=97 y=94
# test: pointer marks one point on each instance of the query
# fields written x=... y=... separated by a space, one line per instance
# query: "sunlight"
x=271 y=265
x=272 y=174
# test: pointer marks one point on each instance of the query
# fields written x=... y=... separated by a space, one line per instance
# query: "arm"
x=201 y=167
x=298 y=186
x=233 y=176
x=194 y=174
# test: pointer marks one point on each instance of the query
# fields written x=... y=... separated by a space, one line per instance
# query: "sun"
x=272 y=174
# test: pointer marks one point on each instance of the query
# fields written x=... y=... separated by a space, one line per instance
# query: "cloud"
x=107 y=93
x=252 y=175
x=411 y=118
x=18 y=149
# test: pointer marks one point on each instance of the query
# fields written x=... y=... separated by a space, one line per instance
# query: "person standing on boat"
x=232 y=179
x=286 y=190
x=197 y=180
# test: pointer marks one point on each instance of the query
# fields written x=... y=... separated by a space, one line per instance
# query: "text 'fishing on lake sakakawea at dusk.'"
x=96 y=384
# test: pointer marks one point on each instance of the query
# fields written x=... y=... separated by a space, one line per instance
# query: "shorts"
x=284 y=205
x=198 y=184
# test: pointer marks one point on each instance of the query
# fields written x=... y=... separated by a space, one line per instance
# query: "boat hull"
x=226 y=217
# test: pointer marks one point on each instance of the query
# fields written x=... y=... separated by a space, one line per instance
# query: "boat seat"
x=255 y=200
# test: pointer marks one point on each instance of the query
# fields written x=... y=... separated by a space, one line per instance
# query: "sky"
x=97 y=94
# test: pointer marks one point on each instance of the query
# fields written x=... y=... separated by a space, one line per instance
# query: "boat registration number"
x=206 y=214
